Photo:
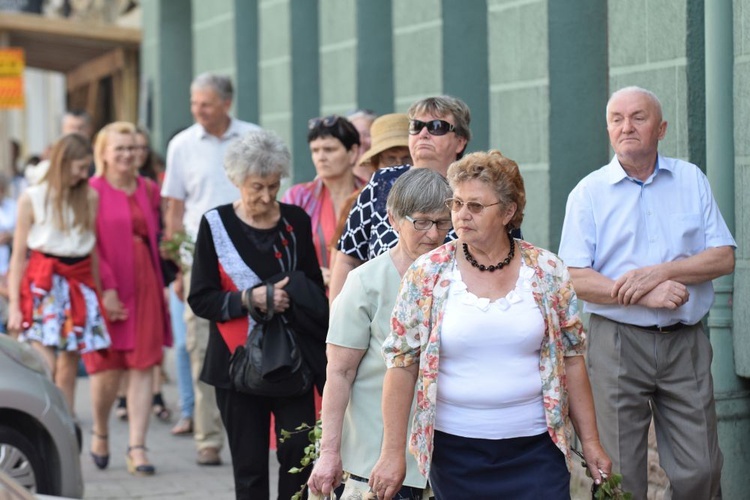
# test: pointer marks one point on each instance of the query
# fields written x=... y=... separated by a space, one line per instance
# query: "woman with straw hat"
x=390 y=143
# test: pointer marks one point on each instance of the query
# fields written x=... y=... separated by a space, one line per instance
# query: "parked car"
x=40 y=443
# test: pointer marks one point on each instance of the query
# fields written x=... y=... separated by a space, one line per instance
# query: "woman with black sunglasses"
x=438 y=134
x=334 y=147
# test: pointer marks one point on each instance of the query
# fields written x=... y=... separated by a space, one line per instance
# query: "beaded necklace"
x=495 y=267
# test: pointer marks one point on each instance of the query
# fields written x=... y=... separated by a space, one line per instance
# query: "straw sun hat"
x=387 y=131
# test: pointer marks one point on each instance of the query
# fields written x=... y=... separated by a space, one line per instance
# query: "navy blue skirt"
x=518 y=468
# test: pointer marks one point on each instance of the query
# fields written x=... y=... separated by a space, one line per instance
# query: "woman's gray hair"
x=220 y=84
x=261 y=153
x=420 y=190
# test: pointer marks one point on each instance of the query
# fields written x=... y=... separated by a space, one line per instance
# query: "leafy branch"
x=179 y=249
x=311 y=451
x=610 y=487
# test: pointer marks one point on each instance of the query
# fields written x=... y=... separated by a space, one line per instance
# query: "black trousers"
x=247 y=421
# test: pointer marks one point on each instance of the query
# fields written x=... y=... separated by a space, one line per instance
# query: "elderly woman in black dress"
x=239 y=247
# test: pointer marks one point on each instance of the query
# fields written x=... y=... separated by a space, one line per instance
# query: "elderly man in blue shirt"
x=643 y=238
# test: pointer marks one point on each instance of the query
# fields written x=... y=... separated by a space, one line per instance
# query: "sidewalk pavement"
x=177 y=475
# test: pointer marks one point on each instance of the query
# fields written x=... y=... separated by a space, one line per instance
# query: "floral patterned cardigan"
x=415 y=338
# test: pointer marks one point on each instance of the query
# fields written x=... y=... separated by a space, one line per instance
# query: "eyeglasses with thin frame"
x=434 y=127
x=426 y=224
x=474 y=206
x=326 y=121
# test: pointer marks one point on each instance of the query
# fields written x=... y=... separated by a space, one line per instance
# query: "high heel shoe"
x=101 y=461
x=146 y=469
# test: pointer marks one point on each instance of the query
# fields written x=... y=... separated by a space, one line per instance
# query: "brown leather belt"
x=663 y=329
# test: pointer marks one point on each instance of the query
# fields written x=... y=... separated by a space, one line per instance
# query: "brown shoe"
x=208 y=456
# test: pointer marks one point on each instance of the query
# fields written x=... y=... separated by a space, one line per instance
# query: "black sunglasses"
x=434 y=127
x=326 y=121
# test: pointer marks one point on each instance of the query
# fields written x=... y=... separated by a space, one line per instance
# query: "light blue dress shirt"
x=614 y=224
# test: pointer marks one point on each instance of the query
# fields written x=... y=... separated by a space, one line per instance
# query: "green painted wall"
x=465 y=67
x=519 y=101
x=648 y=48
x=305 y=64
x=742 y=183
x=577 y=68
x=375 y=56
x=214 y=41
x=166 y=65
x=338 y=56
x=417 y=51
x=274 y=67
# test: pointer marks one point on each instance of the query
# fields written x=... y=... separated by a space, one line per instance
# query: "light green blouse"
x=360 y=319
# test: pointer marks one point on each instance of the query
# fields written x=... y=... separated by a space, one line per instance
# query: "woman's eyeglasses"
x=326 y=121
x=474 y=206
x=434 y=127
x=426 y=224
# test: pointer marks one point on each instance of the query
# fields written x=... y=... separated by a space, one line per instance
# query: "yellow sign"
x=11 y=93
x=12 y=64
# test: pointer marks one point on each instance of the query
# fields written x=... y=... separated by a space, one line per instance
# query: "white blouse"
x=45 y=236
x=489 y=385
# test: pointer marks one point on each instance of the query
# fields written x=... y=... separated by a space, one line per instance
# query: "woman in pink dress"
x=131 y=293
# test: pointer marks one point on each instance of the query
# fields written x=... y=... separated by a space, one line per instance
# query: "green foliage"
x=611 y=486
x=311 y=451
x=177 y=248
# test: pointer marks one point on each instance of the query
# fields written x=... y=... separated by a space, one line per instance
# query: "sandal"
x=160 y=409
x=145 y=469
x=101 y=461
x=183 y=427
x=121 y=410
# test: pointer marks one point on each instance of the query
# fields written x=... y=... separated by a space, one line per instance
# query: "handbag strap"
x=265 y=318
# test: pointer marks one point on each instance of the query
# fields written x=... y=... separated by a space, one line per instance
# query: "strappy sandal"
x=146 y=469
x=160 y=409
x=101 y=461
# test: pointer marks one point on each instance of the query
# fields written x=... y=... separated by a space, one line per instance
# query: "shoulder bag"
x=270 y=363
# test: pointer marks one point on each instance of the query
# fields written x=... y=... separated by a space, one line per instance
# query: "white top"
x=7 y=225
x=614 y=223
x=35 y=173
x=490 y=386
x=45 y=236
x=195 y=171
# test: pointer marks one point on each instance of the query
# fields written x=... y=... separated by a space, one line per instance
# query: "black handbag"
x=270 y=363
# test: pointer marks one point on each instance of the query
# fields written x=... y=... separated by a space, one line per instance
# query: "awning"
x=100 y=61
x=62 y=44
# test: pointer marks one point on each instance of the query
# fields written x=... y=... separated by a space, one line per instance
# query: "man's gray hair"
x=261 y=153
x=640 y=90
x=420 y=190
x=445 y=105
x=220 y=84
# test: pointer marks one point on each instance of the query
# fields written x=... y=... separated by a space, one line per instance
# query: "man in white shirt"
x=643 y=238
x=195 y=182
